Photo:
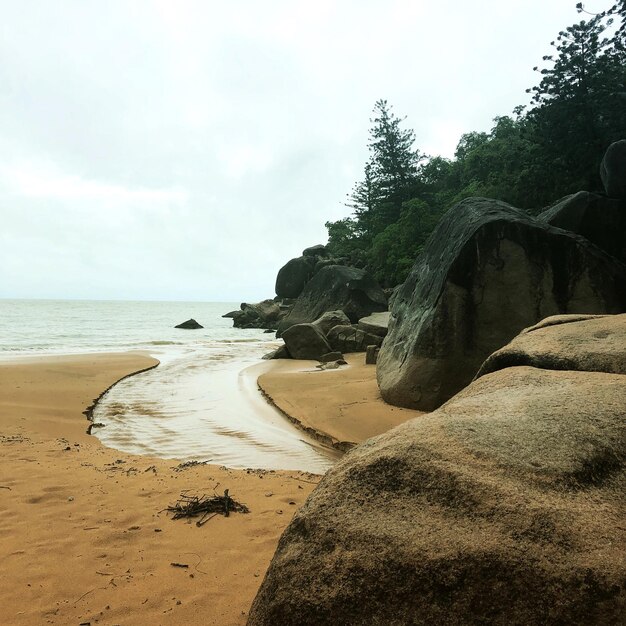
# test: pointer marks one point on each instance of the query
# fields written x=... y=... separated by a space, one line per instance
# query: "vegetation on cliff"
x=548 y=149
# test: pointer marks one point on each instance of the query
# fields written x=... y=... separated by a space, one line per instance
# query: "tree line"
x=546 y=149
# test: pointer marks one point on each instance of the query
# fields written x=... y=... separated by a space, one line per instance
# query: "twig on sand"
x=207 y=507
x=197 y=565
x=311 y=482
x=87 y=593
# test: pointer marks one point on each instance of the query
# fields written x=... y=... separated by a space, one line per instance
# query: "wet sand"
x=206 y=406
x=343 y=406
x=83 y=537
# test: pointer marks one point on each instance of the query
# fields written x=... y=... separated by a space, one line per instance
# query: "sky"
x=185 y=150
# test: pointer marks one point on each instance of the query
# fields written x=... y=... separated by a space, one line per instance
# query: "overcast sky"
x=180 y=150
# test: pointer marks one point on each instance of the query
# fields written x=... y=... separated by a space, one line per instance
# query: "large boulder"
x=597 y=218
x=488 y=271
x=613 y=170
x=336 y=287
x=318 y=250
x=505 y=506
x=593 y=343
x=329 y=320
x=376 y=323
x=306 y=341
x=349 y=338
x=293 y=276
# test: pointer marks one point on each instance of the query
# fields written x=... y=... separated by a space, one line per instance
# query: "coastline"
x=83 y=532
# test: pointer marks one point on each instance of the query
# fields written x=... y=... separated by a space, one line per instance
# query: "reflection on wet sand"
x=202 y=405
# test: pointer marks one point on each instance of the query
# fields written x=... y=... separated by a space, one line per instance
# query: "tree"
x=543 y=152
x=390 y=173
x=579 y=105
x=363 y=201
x=500 y=164
x=390 y=179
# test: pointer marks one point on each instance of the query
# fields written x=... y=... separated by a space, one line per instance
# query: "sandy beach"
x=83 y=534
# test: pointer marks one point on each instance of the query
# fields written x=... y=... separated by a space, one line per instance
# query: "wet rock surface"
x=613 y=170
x=598 y=219
x=488 y=271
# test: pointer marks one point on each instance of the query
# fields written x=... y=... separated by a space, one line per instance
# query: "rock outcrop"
x=505 y=506
x=592 y=343
x=280 y=353
x=190 y=324
x=376 y=323
x=293 y=276
x=329 y=320
x=488 y=271
x=336 y=287
x=318 y=251
x=326 y=333
x=265 y=314
x=306 y=341
x=597 y=218
x=613 y=170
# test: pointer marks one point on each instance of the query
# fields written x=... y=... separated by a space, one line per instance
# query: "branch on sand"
x=207 y=507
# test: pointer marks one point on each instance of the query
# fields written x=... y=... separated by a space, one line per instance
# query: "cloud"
x=188 y=149
x=33 y=181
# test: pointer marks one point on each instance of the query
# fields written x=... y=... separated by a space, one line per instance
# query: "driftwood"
x=208 y=507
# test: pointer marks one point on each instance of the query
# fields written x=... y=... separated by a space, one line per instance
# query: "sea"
x=202 y=402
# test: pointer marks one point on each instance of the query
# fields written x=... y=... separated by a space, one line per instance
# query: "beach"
x=84 y=537
x=341 y=407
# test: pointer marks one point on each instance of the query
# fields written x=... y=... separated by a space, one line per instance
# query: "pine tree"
x=390 y=173
x=579 y=107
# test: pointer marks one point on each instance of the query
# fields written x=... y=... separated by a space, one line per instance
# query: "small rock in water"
x=189 y=324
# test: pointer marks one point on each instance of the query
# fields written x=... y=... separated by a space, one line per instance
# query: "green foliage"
x=579 y=106
x=501 y=164
x=389 y=175
x=394 y=250
x=545 y=151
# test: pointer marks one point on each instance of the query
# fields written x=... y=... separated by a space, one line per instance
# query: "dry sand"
x=82 y=538
x=343 y=404
x=83 y=534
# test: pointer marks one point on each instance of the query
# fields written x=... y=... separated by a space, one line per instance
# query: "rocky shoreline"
x=502 y=505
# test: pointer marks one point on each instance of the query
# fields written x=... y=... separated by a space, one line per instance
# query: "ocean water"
x=202 y=402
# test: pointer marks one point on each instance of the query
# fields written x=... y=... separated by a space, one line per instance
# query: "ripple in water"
x=202 y=406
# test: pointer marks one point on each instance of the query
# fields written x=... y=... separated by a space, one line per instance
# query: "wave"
x=162 y=343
